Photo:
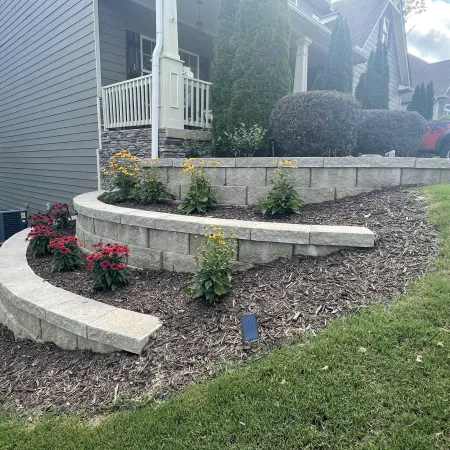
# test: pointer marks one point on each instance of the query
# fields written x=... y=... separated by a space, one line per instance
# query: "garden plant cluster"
x=127 y=181
x=108 y=262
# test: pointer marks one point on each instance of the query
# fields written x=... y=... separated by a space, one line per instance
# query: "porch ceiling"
x=303 y=24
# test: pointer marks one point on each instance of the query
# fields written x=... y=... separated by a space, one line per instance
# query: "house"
x=439 y=74
x=79 y=80
x=370 y=21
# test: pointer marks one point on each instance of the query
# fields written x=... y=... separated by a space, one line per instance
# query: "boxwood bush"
x=316 y=123
x=382 y=131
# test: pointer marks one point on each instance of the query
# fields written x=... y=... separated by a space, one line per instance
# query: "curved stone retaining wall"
x=167 y=241
x=34 y=309
x=246 y=181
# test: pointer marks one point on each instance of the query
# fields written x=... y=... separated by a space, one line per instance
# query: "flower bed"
x=288 y=297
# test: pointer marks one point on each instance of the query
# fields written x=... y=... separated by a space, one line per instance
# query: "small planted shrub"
x=199 y=196
x=245 y=141
x=109 y=266
x=66 y=253
x=382 y=131
x=40 y=219
x=215 y=252
x=122 y=176
x=60 y=215
x=316 y=123
x=151 y=189
x=197 y=148
x=39 y=238
x=282 y=198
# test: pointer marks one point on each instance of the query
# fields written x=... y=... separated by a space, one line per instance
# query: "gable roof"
x=362 y=16
x=421 y=71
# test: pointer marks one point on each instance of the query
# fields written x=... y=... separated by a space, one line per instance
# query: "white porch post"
x=301 y=64
x=171 y=69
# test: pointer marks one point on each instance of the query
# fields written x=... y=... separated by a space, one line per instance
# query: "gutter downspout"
x=155 y=78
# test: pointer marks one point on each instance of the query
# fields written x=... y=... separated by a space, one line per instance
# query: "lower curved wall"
x=34 y=309
x=167 y=241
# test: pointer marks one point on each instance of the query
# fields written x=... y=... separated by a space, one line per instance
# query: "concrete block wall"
x=246 y=181
x=167 y=241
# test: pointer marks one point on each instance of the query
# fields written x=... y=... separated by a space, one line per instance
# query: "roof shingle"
x=362 y=16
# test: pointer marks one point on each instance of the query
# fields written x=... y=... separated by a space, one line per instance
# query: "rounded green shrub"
x=381 y=131
x=316 y=123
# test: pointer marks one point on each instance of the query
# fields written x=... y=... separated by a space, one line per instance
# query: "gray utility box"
x=11 y=222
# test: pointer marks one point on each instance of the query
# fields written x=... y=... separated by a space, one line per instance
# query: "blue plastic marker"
x=249 y=328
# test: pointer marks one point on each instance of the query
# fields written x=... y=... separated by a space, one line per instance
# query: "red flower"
x=105 y=264
x=114 y=266
x=121 y=266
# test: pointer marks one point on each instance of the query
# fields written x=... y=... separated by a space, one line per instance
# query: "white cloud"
x=430 y=38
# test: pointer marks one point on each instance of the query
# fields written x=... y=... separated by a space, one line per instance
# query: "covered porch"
x=127 y=39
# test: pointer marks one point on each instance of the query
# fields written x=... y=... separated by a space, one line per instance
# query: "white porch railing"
x=197 y=110
x=128 y=104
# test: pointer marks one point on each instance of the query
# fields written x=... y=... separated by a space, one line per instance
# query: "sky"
x=430 y=37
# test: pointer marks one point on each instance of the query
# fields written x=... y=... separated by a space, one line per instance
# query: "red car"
x=437 y=139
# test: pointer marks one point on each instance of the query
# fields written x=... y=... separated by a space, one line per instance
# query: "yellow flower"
x=277 y=170
x=274 y=162
x=217 y=163
x=137 y=186
x=150 y=180
x=209 y=164
x=105 y=172
x=201 y=162
x=222 y=242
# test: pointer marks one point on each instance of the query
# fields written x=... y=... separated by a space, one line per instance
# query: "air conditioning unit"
x=11 y=222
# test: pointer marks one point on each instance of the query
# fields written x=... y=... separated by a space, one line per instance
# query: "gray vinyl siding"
x=118 y=16
x=395 y=80
x=48 y=106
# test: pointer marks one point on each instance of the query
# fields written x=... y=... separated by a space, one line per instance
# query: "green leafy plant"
x=66 y=253
x=60 y=215
x=198 y=148
x=245 y=141
x=122 y=176
x=151 y=189
x=199 y=196
x=215 y=252
x=39 y=238
x=282 y=198
x=109 y=266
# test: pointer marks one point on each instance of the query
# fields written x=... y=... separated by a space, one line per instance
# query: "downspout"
x=155 y=78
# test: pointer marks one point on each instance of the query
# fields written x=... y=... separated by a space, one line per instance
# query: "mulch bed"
x=288 y=297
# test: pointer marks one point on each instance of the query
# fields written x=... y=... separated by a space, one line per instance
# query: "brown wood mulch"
x=288 y=297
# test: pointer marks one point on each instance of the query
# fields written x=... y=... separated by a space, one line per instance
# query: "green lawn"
x=377 y=380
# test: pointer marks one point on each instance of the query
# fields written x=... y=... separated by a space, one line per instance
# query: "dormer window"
x=385 y=31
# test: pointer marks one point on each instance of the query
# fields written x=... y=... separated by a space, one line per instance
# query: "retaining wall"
x=246 y=181
x=168 y=241
x=34 y=309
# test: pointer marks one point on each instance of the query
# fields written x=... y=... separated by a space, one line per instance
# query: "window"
x=385 y=32
x=191 y=60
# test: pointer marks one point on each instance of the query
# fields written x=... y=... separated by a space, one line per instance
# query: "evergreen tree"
x=430 y=100
x=224 y=51
x=415 y=102
x=319 y=83
x=423 y=100
x=338 y=73
x=261 y=73
x=361 y=86
x=375 y=94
